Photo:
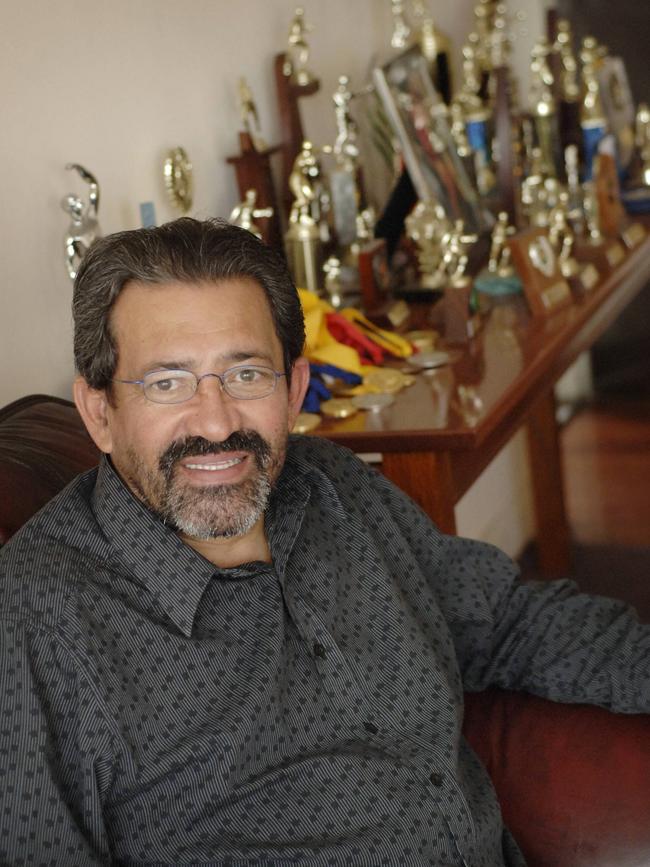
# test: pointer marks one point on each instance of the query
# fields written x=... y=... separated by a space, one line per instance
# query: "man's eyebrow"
x=189 y=363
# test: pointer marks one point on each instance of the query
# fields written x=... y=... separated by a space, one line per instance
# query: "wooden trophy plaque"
x=545 y=288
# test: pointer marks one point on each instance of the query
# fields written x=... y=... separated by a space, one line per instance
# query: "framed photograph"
x=618 y=106
x=419 y=117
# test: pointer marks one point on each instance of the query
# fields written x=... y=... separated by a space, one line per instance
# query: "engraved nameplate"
x=589 y=276
x=615 y=255
x=555 y=295
x=633 y=235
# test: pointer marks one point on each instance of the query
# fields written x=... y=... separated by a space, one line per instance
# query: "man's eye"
x=248 y=374
x=169 y=383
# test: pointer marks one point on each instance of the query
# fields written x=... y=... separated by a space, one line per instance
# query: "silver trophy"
x=83 y=228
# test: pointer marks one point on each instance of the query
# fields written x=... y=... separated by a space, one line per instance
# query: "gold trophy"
x=297 y=56
x=245 y=213
x=426 y=225
x=500 y=277
x=568 y=84
x=303 y=239
x=401 y=29
x=461 y=321
x=592 y=114
x=642 y=140
x=248 y=113
x=581 y=279
x=542 y=106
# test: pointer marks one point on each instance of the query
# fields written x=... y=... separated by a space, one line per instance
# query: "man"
x=231 y=646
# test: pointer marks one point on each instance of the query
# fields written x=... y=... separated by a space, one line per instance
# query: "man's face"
x=205 y=466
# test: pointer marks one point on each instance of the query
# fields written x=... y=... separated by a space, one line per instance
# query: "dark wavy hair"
x=187 y=251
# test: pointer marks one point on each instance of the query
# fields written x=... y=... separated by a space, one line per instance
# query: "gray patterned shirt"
x=157 y=710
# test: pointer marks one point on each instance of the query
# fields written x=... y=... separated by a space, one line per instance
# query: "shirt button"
x=437 y=779
x=371 y=728
x=320 y=651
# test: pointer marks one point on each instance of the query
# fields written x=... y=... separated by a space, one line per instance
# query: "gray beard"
x=210 y=512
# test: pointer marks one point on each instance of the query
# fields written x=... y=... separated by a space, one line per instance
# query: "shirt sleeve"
x=51 y=741
x=543 y=637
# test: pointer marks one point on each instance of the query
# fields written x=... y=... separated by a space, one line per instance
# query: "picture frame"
x=419 y=117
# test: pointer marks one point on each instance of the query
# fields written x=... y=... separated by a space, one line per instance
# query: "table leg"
x=427 y=478
x=553 y=538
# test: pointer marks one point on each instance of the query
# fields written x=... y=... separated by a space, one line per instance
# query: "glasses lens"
x=169 y=386
x=248 y=383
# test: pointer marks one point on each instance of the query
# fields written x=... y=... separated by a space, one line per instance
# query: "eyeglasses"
x=244 y=382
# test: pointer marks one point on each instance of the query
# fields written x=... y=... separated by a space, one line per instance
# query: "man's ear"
x=92 y=404
x=298 y=388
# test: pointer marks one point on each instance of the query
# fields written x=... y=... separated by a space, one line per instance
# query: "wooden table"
x=434 y=449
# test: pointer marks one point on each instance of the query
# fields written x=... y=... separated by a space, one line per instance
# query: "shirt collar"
x=174 y=573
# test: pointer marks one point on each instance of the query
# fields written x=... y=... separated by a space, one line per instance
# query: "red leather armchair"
x=573 y=781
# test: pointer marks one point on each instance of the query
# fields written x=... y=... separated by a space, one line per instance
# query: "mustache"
x=195 y=446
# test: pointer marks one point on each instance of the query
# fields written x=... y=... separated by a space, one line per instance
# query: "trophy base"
x=633 y=235
x=460 y=323
x=498 y=285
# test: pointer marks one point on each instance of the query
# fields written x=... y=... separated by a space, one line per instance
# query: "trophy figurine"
x=592 y=114
x=401 y=29
x=303 y=239
x=344 y=179
x=543 y=106
x=562 y=238
x=500 y=277
x=244 y=214
x=426 y=225
x=297 y=55
x=249 y=116
x=461 y=322
x=83 y=228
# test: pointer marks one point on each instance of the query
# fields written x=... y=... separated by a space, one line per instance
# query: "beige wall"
x=113 y=85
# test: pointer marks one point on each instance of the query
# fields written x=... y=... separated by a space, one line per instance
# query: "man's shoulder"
x=46 y=558
x=313 y=454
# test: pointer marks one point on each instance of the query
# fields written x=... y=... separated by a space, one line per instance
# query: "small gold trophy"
x=248 y=113
x=426 y=225
x=543 y=106
x=461 y=321
x=500 y=277
x=245 y=213
x=297 y=56
x=401 y=29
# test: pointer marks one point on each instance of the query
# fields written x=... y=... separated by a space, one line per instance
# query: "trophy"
x=592 y=115
x=83 y=228
x=461 y=321
x=401 y=29
x=179 y=180
x=297 y=56
x=500 y=277
x=253 y=170
x=344 y=184
x=534 y=192
x=426 y=225
x=244 y=214
x=435 y=48
x=543 y=107
x=605 y=253
x=580 y=278
x=567 y=87
x=303 y=238
x=545 y=288
x=642 y=140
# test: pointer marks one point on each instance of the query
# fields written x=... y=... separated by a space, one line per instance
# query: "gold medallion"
x=384 y=381
x=338 y=407
x=305 y=422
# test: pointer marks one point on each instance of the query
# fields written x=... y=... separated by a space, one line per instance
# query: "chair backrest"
x=43 y=446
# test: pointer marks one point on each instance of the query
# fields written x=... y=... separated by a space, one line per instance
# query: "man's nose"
x=214 y=415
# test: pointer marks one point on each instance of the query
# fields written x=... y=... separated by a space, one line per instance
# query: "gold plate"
x=305 y=422
x=338 y=407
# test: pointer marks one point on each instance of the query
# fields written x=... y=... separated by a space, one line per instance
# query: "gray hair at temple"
x=186 y=251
